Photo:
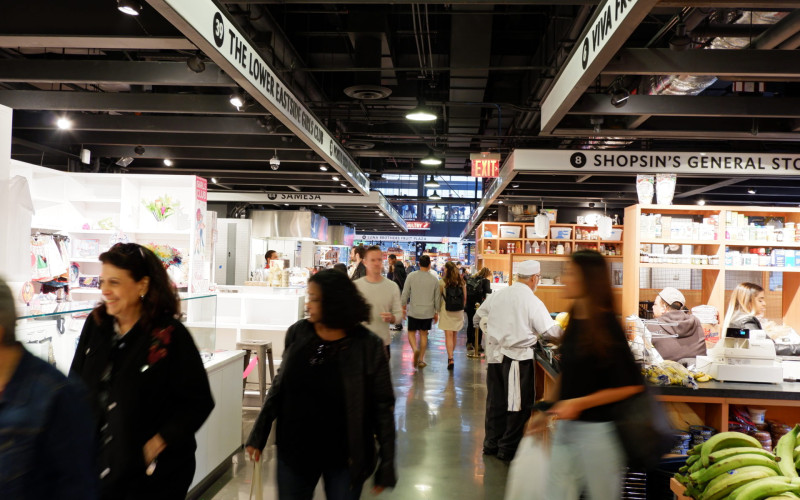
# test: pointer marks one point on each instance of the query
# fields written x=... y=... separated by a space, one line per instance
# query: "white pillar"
x=5 y=175
x=5 y=142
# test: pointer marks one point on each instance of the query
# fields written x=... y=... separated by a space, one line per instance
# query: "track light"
x=499 y=202
x=167 y=162
x=431 y=160
x=237 y=100
x=64 y=123
x=435 y=196
x=343 y=184
x=335 y=177
x=350 y=191
x=196 y=64
x=751 y=191
x=130 y=7
x=421 y=114
x=213 y=180
x=139 y=150
x=680 y=41
x=619 y=97
x=323 y=167
x=701 y=202
x=431 y=183
x=515 y=186
x=275 y=162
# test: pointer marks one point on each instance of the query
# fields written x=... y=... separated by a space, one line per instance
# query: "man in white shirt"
x=382 y=294
x=514 y=318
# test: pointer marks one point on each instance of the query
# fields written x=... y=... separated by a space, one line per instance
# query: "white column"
x=5 y=174
x=307 y=249
x=5 y=142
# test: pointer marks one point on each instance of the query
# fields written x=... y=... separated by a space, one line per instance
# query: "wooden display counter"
x=711 y=401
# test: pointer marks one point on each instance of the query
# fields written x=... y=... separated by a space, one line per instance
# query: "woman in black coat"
x=148 y=387
x=332 y=399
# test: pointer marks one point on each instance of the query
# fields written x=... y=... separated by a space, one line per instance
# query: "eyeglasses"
x=128 y=249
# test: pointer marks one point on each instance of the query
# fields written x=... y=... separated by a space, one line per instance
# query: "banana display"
x=733 y=466
x=673 y=373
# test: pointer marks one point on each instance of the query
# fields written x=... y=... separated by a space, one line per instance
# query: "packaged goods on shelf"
x=658 y=226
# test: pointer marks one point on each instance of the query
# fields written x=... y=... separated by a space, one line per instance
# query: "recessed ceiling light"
x=129 y=7
x=499 y=202
x=343 y=184
x=167 y=162
x=701 y=202
x=64 y=123
x=335 y=177
x=515 y=186
x=324 y=168
x=349 y=190
x=751 y=191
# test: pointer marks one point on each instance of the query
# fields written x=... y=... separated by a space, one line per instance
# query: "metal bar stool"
x=263 y=350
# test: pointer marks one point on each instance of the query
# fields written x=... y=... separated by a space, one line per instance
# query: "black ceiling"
x=483 y=65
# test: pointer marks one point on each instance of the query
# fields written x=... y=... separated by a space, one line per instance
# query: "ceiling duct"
x=695 y=84
x=368 y=52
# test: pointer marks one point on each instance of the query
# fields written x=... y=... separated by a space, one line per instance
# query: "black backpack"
x=474 y=289
x=454 y=298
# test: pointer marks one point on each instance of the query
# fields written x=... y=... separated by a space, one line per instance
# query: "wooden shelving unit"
x=551 y=295
x=713 y=275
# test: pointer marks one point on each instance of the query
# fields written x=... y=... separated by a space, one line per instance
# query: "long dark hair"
x=161 y=301
x=342 y=304
x=598 y=295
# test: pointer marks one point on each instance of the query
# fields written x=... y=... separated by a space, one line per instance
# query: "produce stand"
x=678 y=489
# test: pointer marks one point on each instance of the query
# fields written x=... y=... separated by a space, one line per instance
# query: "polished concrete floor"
x=439 y=419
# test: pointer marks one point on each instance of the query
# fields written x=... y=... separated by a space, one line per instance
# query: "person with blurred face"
x=381 y=294
x=421 y=300
x=146 y=380
x=332 y=399
x=398 y=275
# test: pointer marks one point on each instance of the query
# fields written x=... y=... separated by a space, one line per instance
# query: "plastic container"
x=757 y=414
x=560 y=233
x=616 y=235
x=510 y=231
x=530 y=233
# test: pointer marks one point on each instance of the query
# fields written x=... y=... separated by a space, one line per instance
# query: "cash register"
x=743 y=356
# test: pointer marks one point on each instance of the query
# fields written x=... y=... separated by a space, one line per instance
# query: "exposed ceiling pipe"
x=783 y=29
x=282 y=50
x=792 y=43
x=525 y=120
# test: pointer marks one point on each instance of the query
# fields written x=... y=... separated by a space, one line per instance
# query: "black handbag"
x=644 y=430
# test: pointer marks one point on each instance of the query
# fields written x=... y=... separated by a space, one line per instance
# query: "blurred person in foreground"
x=146 y=380
x=46 y=433
x=597 y=370
x=382 y=295
x=332 y=399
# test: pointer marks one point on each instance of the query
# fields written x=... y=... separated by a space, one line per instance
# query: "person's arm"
x=397 y=311
x=381 y=404
x=406 y=292
x=570 y=409
x=464 y=288
x=543 y=324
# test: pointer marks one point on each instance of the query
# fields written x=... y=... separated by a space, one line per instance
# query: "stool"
x=263 y=351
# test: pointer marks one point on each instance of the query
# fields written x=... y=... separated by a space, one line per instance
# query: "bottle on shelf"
x=543 y=248
x=527 y=247
x=536 y=248
x=489 y=247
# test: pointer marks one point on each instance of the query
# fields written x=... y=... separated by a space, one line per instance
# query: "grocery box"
x=616 y=235
x=560 y=233
x=530 y=233
x=510 y=231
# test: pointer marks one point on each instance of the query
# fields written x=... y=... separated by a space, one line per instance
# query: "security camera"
x=274 y=163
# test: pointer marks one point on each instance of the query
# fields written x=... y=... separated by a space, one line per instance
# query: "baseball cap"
x=671 y=295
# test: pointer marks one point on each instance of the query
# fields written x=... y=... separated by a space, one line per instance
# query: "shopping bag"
x=256 y=486
x=644 y=430
x=527 y=474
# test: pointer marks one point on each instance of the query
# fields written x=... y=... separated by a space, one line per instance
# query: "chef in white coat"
x=514 y=319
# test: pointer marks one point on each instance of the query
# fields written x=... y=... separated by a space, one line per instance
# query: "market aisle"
x=439 y=418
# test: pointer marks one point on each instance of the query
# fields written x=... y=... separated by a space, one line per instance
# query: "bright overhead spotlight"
x=323 y=167
x=343 y=184
x=213 y=180
x=435 y=196
x=237 y=100
x=275 y=162
x=431 y=160
x=335 y=177
x=129 y=7
x=431 y=183
x=167 y=162
x=515 y=186
x=64 y=123
x=701 y=202
x=421 y=114
x=751 y=191
x=350 y=191
x=499 y=202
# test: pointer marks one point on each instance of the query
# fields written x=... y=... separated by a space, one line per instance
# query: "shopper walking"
x=515 y=318
x=332 y=399
x=451 y=313
x=146 y=380
x=399 y=277
x=358 y=270
x=597 y=370
x=381 y=294
x=478 y=288
x=46 y=435
x=421 y=300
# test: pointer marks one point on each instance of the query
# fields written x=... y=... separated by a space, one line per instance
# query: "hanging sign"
x=485 y=165
x=405 y=238
x=418 y=225
x=653 y=162
x=213 y=31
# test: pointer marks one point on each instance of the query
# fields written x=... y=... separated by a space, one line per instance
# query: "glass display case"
x=51 y=331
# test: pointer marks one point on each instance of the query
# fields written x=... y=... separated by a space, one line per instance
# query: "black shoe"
x=450 y=364
x=490 y=451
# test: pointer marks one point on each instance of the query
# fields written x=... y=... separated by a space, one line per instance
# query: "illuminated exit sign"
x=485 y=165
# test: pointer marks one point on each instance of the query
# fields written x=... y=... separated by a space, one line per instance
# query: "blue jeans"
x=295 y=486
x=586 y=456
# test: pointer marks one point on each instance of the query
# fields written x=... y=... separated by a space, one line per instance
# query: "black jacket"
x=369 y=400
x=166 y=393
x=399 y=275
x=360 y=272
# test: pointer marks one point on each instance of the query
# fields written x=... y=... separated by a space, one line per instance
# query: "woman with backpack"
x=451 y=315
x=478 y=287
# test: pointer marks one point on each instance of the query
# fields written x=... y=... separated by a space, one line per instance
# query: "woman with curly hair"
x=146 y=380
x=332 y=399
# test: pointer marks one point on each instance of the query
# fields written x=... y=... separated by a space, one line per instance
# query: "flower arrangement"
x=162 y=207
x=169 y=256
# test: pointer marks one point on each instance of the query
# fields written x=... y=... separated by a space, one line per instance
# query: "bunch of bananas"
x=562 y=319
x=671 y=373
x=733 y=466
